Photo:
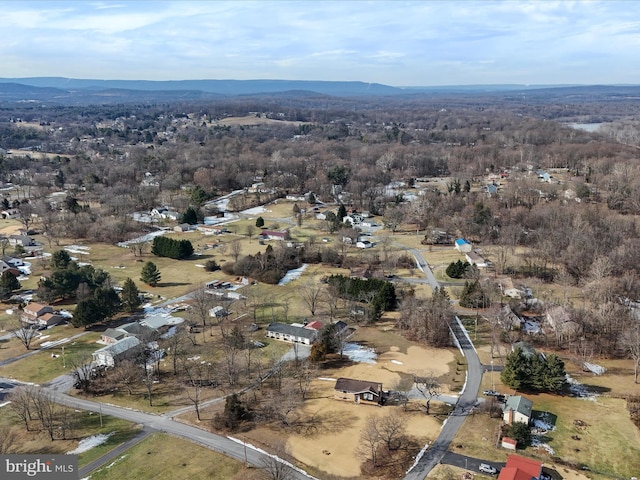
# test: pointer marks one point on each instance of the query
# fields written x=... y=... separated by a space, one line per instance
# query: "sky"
x=399 y=43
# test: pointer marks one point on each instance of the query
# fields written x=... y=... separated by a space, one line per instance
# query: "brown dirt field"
x=10 y=227
x=337 y=437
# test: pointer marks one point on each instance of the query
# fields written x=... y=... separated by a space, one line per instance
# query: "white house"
x=364 y=244
x=462 y=245
x=517 y=409
x=291 y=333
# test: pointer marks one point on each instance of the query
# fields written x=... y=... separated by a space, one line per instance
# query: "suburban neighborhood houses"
x=372 y=289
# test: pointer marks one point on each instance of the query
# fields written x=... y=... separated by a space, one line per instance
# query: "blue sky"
x=401 y=43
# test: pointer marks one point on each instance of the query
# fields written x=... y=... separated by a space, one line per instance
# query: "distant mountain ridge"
x=220 y=87
x=75 y=91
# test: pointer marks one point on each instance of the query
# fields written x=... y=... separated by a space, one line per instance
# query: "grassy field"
x=43 y=366
x=87 y=424
x=163 y=457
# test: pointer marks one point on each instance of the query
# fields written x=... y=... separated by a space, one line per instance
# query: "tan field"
x=332 y=449
x=253 y=120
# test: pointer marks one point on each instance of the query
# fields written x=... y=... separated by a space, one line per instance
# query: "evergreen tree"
x=86 y=313
x=342 y=212
x=60 y=260
x=150 y=274
x=189 y=216
x=516 y=370
x=199 y=196
x=555 y=374
x=8 y=283
x=521 y=433
x=130 y=296
x=168 y=247
x=108 y=302
x=259 y=222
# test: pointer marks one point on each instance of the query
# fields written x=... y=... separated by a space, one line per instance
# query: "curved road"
x=468 y=398
x=160 y=423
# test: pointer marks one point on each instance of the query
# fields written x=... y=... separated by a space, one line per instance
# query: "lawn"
x=163 y=457
x=608 y=442
x=48 y=364
x=87 y=425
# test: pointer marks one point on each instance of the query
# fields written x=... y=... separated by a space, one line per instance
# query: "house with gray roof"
x=291 y=333
x=517 y=409
x=122 y=349
x=358 y=391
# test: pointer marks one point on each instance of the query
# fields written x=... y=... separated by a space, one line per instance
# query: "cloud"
x=394 y=42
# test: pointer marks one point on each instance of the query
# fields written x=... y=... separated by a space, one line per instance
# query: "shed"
x=509 y=443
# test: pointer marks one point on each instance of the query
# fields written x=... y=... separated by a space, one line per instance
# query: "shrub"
x=211 y=266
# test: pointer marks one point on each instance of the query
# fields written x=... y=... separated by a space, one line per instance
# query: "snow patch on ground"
x=594 y=368
x=144 y=238
x=8 y=311
x=327 y=379
x=579 y=390
x=543 y=423
x=540 y=445
x=357 y=353
x=255 y=211
x=90 y=442
x=116 y=461
x=4 y=404
x=79 y=249
x=25 y=268
x=293 y=275
x=397 y=362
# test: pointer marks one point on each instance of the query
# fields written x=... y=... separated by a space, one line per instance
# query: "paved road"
x=41 y=348
x=159 y=423
x=468 y=398
x=468 y=463
x=115 y=453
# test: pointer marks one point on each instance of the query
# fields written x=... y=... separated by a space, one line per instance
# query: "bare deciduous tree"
x=201 y=303
x=21 y=399
x=391 y=429
x=8 y=439
x=274 y=469
x=82 y=371
x=632 y=346
x=236 y=249
x=428 y=386
x=370 y=440
x=311 y=294
x=126 y=374
x=25 y=332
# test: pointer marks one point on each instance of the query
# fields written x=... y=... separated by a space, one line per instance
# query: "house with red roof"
x=315 y=325
x=521 y=468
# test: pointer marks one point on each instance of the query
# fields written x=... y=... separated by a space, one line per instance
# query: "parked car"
x=486 y=468
x=491 y=393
